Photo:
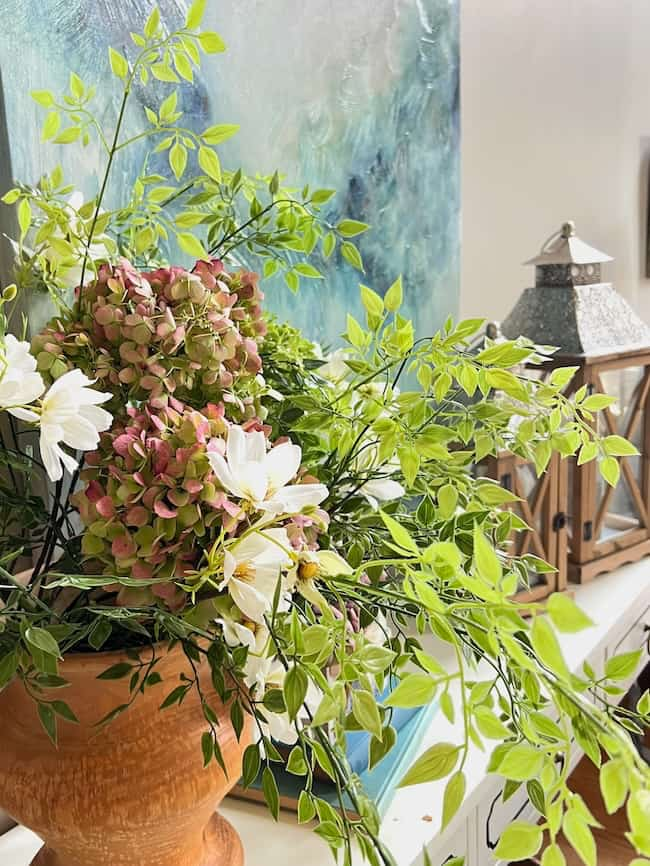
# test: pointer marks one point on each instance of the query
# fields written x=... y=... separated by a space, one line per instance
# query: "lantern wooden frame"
x=543 y=509
x=589 y=553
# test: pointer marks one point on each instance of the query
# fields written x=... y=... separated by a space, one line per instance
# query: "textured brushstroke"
x=361 y=95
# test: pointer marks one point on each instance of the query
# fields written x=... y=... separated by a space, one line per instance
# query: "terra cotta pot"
x=131 y=793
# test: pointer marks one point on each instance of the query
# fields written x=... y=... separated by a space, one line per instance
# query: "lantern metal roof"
x=566 y=248
x=570 y=308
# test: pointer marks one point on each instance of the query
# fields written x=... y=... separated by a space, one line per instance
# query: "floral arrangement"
x=303 y=524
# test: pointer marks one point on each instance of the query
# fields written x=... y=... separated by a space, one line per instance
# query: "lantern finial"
x=568 y=229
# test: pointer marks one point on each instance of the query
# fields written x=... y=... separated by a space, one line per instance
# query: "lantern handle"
x=568 y=230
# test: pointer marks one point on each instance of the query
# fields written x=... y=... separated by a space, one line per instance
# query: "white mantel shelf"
x=616 y=603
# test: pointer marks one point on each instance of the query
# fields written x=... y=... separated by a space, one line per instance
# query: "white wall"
x=555 y=125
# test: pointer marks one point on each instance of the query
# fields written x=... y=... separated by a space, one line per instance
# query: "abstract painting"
x=360 y=95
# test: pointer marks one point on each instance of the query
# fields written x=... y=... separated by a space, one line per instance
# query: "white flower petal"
x=282 y=464
x=24 y=414
x=295 y=498
x=223 y=473
x=252 y=603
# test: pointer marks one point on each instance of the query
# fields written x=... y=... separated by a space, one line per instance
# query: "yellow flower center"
x=308 y=570
x=245 y=571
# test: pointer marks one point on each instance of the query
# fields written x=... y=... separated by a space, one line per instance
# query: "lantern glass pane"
x=621 y=513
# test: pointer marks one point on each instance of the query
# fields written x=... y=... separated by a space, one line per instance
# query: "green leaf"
x=366 y=712
x=436 y=763
x=638 y=813
x=414 y=690
x=116 y=672
x=320 y=196
x=622 y=666
x=578 y=834
x=211 y=42
x=24 y=216
x=565 y=614
x=307 y=270
x=8 y=668
x=394 y=295
x=351 y=228
x=207 y=747
x=62 y=709
x=118 y=63
x=399 y=534
x=209 y=162
x=250 y=765
x=547 y=648
x=352 y=255
x=43 y=97
x=42 y=640
x=610 y=470
x=192 y=246
x=521 y=762
x=617 y=446
x=306 y=808
x=295 y=690
x=296 y=764
x=220 y=132
x=485 y=558
x=596 y=402
x=519 y=841
x=195 y=15
x=453 y=797
x=48 y=720
x=329 y=243
x=178 y=159
x=271 y=793
x=163 y=72
x=373 y=304
x=553 y=856
x=489 y=725
x=153 y=23
x=613 y=785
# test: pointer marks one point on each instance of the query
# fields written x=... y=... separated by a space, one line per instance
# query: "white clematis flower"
x=69 y=414
x=381 y=490
x=313 y=565
x=20 y=384
x=251 y=472
x=251 y=569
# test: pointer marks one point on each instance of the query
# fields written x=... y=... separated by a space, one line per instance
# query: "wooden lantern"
x=596 y=330
x=542 y=506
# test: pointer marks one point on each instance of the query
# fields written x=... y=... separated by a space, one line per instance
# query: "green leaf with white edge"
x=638 y=812
x=366 y=711
x=211 y=42
x=485 y=559
x=519 y=841
x=562 y=376
x=329 y=243
x=351 y=228
x=613 y=784
x=447 y=501
x=209 y=162
x=553 y=856
x=414 y=690
x=610 y=470
x=578 y=834
x=588 y=452
x=622 y=666
x=547 y=648
x=42 y=640
x=295 y=690
x=372 y=302
x=565 y=614
x=195 y=14
x=453 y=797
x=394 y=296
x=168 y=106
x=251 y=765
x=436 y=763
x=192 y=246
x=118 y=63
x=220 y=132
x=521 y=763
x=296 y=764
x=399 y=534
x=617 y=446
x=306 y=808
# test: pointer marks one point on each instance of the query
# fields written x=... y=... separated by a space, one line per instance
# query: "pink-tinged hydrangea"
x=148 y=336
x=152 y=502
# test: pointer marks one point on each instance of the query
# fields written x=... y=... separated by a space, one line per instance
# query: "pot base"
x=222 y=847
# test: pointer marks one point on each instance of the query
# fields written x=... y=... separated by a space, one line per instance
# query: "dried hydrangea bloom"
x=193 y=335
